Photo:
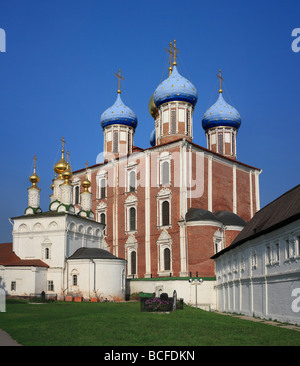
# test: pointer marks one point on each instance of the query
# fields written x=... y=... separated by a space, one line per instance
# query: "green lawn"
x=122 y=324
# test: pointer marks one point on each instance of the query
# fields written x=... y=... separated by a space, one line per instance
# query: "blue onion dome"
x=221 y=114
x=119 y=114
x=175 y=87
x=153 y=138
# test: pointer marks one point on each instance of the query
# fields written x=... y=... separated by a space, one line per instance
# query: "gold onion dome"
x=67 y=174
x=86 y=183
x=152 y=107
x=61 y=165
x=34 y=178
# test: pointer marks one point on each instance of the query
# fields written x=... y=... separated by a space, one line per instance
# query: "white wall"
x=203 y=294
x=29 y=280
x=268 y=286
x=102 y=278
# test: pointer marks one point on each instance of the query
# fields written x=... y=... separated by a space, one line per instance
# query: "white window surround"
x=164 y=242
x=76 y=183
x=165 y=194
x=130 y=202
x=102 y=174
x=163 y=157
x=131 y=167
x=131 y=246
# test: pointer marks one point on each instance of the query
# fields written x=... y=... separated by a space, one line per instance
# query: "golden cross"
x=34 y=164
x=86 y=166
x=63 y=143
x=120 y=77
x=68 y=155
x=219 y=76
x=175 y=52
x=170 y=52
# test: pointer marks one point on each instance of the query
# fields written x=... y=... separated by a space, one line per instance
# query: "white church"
x=60 y=252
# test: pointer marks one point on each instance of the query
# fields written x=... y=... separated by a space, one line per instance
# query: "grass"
x=122 y=324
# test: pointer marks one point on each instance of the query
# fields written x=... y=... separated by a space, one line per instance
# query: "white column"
x=33 y=197
x=86 y=201
x=234 y=208
x=147 y=215
x=209 y=183
x=66 y=194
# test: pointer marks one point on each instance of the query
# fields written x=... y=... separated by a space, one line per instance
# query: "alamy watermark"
x=296 y=302
x=2 y=300
x=2 y=40
x=296 y=42
x=186 y=169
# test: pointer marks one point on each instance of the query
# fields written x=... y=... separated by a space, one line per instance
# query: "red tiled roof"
x=9 y=258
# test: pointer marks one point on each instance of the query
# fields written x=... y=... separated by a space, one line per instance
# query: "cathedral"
x=156 y=213
x=168 y=208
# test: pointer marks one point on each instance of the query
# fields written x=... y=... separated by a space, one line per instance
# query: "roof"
x=175 y=87
x=221 y=114
x=9 y=258
x=89 y=253
x=199 y=214
x=229 y=218
x=280 y=212
x=55 y=213
x=138 y=149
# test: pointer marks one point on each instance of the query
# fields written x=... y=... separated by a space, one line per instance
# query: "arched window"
x=165 y=213
x=220 y=137
x=102 y=188
x=167 y=259
x=115 y=146
x=47 y=253
x=165 y=172
x=102 y=218
x=132 y=219
x=133 y=262
x=132 y=181
x=74 y=279
x=76 y=195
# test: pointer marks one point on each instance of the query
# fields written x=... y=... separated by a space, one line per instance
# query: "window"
x=133 y=262
x=298 y=241
x=220 y=141
x=102 y=218
x=187 y=122
x=47 y=253
x=173 y=121
x=165 y=174
x=254 y=260
x=13 y=286
x=132 y=219
x=165 y=207
x=115 y=142
x=287 y=249
x=102 y=188
x=167 y=259
x=276 y=252
x=129 y=142
x=268 y=254
x=74 y=280
x=76 y=195
x=233 y=144
x=50 y=286
x=132 y=179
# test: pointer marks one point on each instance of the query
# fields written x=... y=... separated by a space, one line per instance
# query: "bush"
x=156 y=304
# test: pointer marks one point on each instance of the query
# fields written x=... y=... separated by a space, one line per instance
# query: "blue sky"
x=57 y=77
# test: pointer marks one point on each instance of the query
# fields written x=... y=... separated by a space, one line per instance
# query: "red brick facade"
x=157 y=241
